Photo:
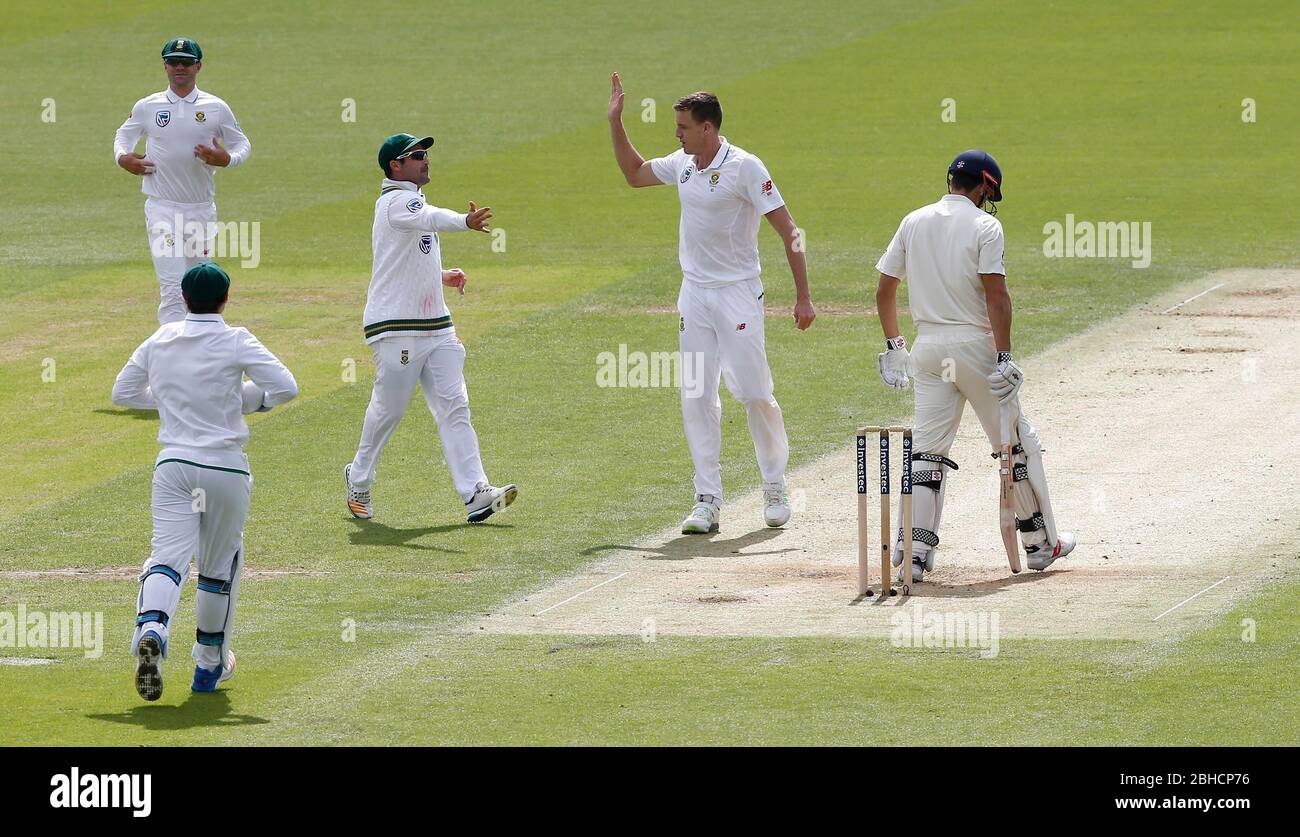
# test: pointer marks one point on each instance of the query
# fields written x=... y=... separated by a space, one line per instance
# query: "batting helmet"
x=981 y=164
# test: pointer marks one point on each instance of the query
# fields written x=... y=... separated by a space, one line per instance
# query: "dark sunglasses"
x=414 y=155
x=180 y=62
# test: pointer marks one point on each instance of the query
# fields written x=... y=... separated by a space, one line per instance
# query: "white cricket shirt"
x=405 y=295
x=192 y=372
x=721 y=206
x=940 y=250
x=172 y=127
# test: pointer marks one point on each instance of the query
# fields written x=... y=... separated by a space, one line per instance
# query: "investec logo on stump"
x=108 y=790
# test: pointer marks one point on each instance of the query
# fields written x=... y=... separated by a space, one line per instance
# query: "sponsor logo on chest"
x=426 y=244
x=163 y=118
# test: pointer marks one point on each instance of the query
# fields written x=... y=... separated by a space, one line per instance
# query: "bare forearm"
x=1000 y=319
x=887 y=308
x=799 y=270
x=629 y=161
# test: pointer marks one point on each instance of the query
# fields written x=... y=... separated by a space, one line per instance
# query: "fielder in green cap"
x=193 y=373
x=408 y=326
x=189 y=134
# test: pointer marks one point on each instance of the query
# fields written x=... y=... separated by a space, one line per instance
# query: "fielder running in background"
x=185 y=128
x=192 y=372
x=723 y=190
x=951 y=254
x=409 y=329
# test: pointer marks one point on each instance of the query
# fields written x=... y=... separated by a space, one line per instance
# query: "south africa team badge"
x=406 y=356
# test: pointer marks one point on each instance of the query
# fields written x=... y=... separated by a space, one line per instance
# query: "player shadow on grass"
x=135 y=414
x=688 y=547
x=199 y=710
x=370 y=533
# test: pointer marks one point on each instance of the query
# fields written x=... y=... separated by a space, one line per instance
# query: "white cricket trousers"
x=179 y=238
x=722 y=336
x=947 y=373
x=949 y=368
x=199 y=509
x=437 y=363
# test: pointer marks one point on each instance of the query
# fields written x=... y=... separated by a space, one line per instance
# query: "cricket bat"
x=1006 y=497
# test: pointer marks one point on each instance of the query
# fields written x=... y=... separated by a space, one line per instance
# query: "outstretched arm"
x=635 y=169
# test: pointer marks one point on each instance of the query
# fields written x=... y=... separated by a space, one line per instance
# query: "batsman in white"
x=723 y=190
x=951 y=253
x=409 y=329
x=192 y=372
x=184 y=129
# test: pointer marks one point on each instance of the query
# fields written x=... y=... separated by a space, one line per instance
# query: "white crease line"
x=583 y=593
x=1189 y=598
x=1189 y=299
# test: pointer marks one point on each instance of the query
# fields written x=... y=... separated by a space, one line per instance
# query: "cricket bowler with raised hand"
x=409 y=329
x=184 y=129
x=723 y=191
x=951 y=253
x=192 y=372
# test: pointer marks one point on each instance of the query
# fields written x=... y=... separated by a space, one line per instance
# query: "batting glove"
x=1006 y=381
x=893 y=362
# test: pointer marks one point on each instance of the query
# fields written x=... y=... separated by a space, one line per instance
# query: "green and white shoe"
x=703 y=519
x=776 y=505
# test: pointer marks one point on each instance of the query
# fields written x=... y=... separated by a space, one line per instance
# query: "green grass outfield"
x=1113 y=111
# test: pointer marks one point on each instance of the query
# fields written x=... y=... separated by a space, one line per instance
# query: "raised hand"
x=615 y=97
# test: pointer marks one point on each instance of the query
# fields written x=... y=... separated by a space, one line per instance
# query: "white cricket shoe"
x=358 y=498
x=703 y=519
x=1064 y=546
x=922 y=562
x=918 y=569
x=776 y=505
x=488 y=500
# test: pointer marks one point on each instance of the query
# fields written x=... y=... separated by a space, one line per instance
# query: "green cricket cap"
x=182 y=48
x=205 y=284
x=397 y=145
